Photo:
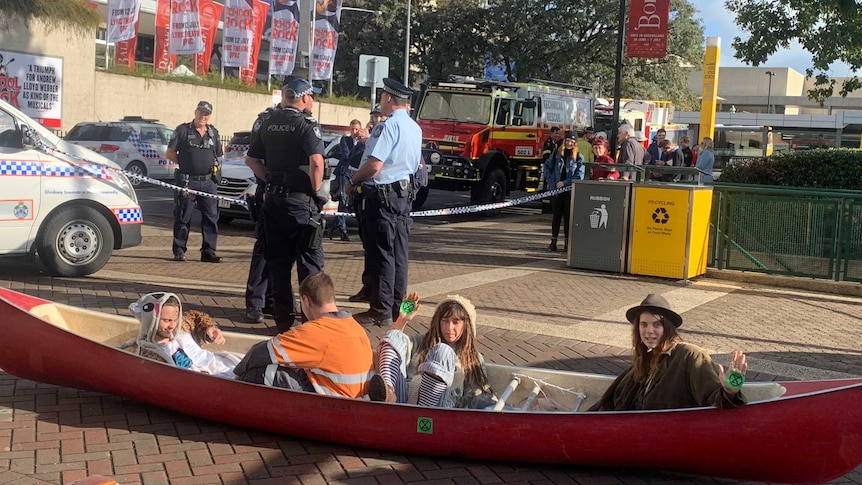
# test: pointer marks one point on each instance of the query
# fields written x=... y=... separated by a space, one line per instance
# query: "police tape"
x=242 y=201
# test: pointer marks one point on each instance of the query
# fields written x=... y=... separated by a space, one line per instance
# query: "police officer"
x=291 y=143
x=196 y=148
x=258 y=290
x=391 y=157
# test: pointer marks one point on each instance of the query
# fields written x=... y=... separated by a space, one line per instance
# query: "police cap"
x=297 y=87
x=205 y=107
x=396 y=89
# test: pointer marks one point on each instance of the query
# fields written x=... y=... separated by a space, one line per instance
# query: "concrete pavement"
x=532 y=310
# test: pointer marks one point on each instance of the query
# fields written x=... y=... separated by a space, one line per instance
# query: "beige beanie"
x=466 y=305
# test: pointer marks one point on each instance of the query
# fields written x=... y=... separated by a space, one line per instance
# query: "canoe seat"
x=50 y=314
x=762 y=391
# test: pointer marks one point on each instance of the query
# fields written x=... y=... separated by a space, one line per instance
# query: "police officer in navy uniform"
x=196 y=148
x=258 y=289
x=384 y=179
x=291 y=144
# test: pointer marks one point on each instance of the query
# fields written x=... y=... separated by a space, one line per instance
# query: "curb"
x=844 y=288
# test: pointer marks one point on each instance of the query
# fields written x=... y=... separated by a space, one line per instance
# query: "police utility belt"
x=401 y=188
x=285 y=191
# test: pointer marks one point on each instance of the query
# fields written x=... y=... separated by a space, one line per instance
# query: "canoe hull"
x=803 y=438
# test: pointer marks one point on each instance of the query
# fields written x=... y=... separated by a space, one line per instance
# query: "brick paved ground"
x=530 y=306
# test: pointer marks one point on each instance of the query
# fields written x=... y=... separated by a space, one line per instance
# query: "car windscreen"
x=87 y=132
x=449 y=106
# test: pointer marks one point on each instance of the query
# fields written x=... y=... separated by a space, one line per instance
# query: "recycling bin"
x=599 y=225
x=669 y=230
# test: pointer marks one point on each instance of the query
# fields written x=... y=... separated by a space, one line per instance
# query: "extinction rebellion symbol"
x=660 y=216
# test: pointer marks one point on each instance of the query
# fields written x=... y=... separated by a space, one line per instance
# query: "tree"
x=450 y=38
x=72 y=14
x=831 y=30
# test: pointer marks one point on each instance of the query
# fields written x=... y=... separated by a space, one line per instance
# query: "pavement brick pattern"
x=529 y=306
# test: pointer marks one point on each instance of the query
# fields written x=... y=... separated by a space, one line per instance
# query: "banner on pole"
x=186 y=36
x=327 y=16
x=648 y=28
x=284 y=37
x=248 y=73
x=238 y=32
x=122 y=19
x=124 y=51
x=210 y=17
x=162 y=61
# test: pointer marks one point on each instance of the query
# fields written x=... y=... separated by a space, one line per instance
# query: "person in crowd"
x=258 y=288
x=552 y=143
x=196 y=147
x=688 y=155
x=162 y=338
x=655 y=147
x=392 y=155
x=672 y=157
x=667 y=373
x=706 y=159
x=600 y=154
x=342 y=174
x=356 y=202
x=291 y=144
x=585 y=144
x=631 y=151
x=441 y=368
x=566 y=165
x=329 y=354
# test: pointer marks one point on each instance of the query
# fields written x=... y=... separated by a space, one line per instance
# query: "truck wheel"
x=491 y=189
x=421 y=197
x=136 y=168
x=75 y=241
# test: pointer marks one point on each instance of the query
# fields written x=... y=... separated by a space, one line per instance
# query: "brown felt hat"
x=655 y=304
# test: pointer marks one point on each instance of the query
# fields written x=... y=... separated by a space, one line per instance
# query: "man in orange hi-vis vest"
x=329 y=354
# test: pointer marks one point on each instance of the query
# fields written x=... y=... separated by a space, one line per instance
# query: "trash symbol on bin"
x=599 y=217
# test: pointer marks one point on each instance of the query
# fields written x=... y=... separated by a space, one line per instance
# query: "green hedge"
x=823 y=169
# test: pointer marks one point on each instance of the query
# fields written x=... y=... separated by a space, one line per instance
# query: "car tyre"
x=136 y=168
x=75 y=241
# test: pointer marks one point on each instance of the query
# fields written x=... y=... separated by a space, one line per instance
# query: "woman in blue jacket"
x=560 y=169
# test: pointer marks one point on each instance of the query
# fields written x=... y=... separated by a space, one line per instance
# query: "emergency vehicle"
x=71 y=207
x=487 y=136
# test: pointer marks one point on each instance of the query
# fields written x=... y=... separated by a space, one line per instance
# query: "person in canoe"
x=161 y=336
x=441 y=368
x=667 y=373
x=330 y=354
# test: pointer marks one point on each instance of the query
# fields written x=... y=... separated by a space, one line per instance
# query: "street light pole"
x=769 y=92
x=407 y=48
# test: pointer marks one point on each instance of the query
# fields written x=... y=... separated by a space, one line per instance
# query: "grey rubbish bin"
x=599 y=225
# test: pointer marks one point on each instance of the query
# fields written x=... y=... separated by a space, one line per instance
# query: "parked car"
x=134 y=143
x=237 y=180
x=238 y=144
x=71 y=207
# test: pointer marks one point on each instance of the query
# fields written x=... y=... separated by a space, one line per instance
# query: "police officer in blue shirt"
x=291 y=144
x=196 y=148
x=384 y=180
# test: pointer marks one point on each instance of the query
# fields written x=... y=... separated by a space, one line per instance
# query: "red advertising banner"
x=210 y=16
x=647 y=28
x=124 y=51
x=162 y=62
x=247 y=74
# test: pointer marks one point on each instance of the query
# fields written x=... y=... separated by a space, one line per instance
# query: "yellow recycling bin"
x=669 y=230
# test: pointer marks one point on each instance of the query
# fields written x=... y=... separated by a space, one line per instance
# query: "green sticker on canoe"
x=425 y=425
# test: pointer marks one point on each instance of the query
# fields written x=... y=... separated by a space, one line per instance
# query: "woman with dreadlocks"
x=441 y=368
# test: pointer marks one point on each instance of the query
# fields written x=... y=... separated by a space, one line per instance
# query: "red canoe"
x=811 y=433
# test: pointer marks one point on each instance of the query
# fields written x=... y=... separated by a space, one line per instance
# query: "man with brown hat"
x=667 y=373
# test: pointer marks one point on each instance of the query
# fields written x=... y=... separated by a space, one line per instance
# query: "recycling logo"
x=660 y=216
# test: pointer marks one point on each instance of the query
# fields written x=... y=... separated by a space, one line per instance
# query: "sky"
x=720 y=23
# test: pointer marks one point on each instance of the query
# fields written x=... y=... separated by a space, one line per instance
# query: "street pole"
x=407 y=49
x=769 y=93
x=618 y=77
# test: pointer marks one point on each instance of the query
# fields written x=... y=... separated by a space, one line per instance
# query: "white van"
x=70 y=212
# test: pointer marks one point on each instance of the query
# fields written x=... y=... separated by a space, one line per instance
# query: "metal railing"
x=789 y=231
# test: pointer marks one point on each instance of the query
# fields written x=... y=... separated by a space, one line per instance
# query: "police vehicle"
x=137 y=144
x=68 y=205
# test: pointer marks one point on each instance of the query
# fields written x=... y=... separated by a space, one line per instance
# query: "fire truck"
x=487 y=136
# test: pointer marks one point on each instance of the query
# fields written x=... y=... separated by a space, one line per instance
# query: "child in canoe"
x=161 y=336
x=441 y=368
